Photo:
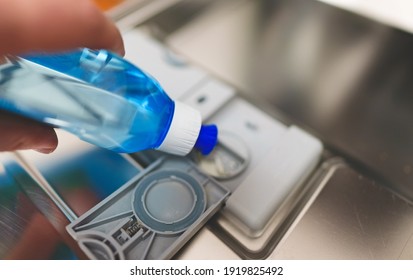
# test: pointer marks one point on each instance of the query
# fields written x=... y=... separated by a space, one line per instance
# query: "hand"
x=18 y=133
x=48 y=25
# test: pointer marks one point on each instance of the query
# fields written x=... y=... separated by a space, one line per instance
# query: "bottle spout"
x=207 y=139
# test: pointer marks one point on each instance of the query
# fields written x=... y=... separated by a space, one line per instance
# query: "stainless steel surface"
x=395 y=13
x=133 y=12
x=353 y=217
x=41 y=192
x=31 y=224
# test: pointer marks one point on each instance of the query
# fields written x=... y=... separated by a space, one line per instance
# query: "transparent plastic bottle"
x=104 y=100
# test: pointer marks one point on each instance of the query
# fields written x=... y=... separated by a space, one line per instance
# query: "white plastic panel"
x=275 y=160
x=209 y=97
x=256 y=130
x=174 y=74
x=283 y=168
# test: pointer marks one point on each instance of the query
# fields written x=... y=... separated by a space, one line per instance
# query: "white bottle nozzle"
x=183 y=132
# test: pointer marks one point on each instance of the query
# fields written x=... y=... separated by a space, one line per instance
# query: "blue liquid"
x=100 y=97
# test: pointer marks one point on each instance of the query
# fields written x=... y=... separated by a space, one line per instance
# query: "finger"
x=18 y=133
x=50 y=25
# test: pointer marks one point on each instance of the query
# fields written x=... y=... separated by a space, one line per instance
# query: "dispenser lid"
x=153 y=215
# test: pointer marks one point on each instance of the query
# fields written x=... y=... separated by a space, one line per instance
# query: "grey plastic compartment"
x=153 y=215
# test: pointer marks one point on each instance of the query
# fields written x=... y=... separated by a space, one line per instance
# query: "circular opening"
x=229 y=159
x=169 y=200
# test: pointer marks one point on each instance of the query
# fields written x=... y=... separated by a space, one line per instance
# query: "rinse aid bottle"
x=104 y=100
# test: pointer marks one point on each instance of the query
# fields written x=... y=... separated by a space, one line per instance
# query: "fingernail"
x=44 y=150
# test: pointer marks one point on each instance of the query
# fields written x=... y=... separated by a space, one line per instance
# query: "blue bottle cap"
x=207 y=139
